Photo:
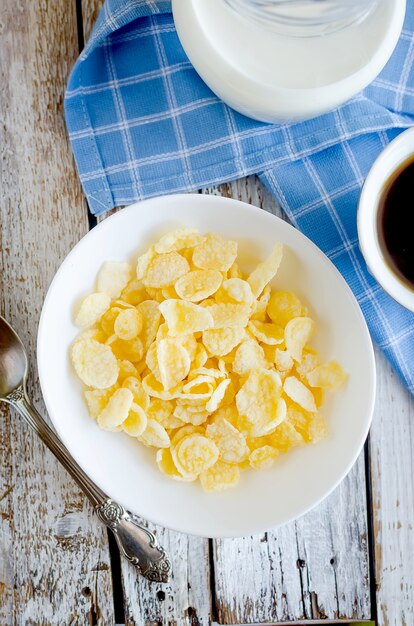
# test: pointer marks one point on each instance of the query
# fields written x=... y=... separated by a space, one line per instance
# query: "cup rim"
x=388 y=161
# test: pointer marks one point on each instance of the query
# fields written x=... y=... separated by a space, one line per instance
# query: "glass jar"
x=304 y=18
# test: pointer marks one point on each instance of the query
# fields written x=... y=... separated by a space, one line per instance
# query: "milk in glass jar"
x=288 y=60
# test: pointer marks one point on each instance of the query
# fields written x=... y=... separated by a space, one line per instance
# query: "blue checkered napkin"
x=142 y=123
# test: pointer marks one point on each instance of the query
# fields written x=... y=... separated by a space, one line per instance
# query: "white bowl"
x=398 y=151
x=127 y=471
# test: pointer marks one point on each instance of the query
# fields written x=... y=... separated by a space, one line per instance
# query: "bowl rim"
x=371 y=390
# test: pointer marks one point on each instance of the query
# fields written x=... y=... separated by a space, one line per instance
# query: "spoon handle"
x=135 y=542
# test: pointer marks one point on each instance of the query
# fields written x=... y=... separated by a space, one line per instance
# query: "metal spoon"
x=135 y=542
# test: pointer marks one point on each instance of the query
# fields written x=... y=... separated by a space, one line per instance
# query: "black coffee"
x=396 y=221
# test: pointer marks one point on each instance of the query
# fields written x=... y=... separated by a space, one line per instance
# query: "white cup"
x=398 y=151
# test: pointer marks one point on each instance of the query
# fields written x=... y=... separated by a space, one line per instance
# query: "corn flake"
x=185 y=413
x=162 y=412
x=221 y=341
x=122 y=304
x=297 y=334
x=198 y=391
x=263 y=428
x=132 y=350
x=178 y=240
x=309 y=362
x=116 y=410
x=185 y=317
x=220 y=477
x=229 y=315
x=212 y=372
x=263 y=457
x=151 y=317
x=128 y=324
x=215 y=253
x=189 y=343
x=258 y=401
x=134 y=292
x=235 y=290
x=234 y=271
x=283 y=306
x=283 y=361
x=173 y=362
x=92 y=309
x=249 y=355
x=167 y=466
x=330 y=376
x=265 y=271
x=198 y=285
x=95 y=363
x=143 y=262
x=285 y=437
x=136 y=422
x=154 y=388
x=230 y=442
x=155 y=435
x=126 y=369
x=188 y=429
x=152 y=361
x=195 y=454
x=137 y=389
x=229 y=413
x=299 y=393
x=164 y=269
x=217 y=396
x=168 y=292
x=91 y=333
x=200 y=356
x=113 y=277
x=155 y=294
x=107 y=320
x=97 y=399
x=270 y=334
x=259 y=306
x=317 y=429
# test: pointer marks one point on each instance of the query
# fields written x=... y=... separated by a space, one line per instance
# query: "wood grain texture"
x=185 y=600
x=54 y=563
x=314 y=568
x=90 y=11
x=392 y=468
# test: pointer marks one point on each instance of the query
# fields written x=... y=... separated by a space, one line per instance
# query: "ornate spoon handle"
x=135 y=542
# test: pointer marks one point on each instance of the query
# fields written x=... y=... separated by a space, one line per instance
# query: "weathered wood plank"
x=392 y=469
x=185 y=600
x=314 y=568
x=90 y=11
x=54 y=562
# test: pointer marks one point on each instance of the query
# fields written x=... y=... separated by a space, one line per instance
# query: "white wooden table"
x=349 y=559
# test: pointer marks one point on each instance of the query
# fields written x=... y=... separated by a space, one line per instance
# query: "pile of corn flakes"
x=209 y=367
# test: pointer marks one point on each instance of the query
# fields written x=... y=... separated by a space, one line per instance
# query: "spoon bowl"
x=13 y=360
